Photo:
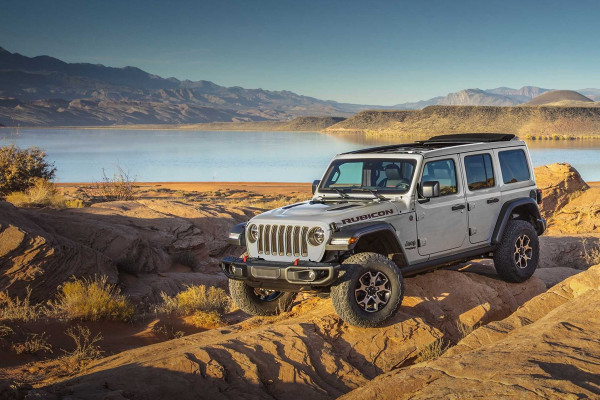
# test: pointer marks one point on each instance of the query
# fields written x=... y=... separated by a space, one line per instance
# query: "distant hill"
x=524 y=121
x=47 y=91
x=502 y=96
x=562 y=97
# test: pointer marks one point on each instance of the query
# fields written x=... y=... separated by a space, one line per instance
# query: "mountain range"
x=44 y=90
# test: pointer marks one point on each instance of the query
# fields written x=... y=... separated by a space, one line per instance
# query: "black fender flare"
x=348 y=237
x=237 y=235
x=507 y=210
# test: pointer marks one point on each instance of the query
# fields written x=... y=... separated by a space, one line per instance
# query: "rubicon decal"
x=367 y=216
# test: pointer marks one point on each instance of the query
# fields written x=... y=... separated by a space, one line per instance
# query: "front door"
x=442 y=221
x=483 y=195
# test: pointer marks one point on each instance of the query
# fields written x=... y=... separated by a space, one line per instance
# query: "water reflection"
x=170 y=155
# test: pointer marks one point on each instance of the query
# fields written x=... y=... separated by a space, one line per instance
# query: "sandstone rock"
x=572 y=251
x=548 y=349
x=580 y=215
x=560 y=182
x=32 y=256
x=553 y=276
x=145 y=235
x=308 y=354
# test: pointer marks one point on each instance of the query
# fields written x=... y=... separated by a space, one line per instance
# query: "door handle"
x=458 y=207
x=494 y=200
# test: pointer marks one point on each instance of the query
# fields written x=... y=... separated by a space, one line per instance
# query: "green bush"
x=19 y=168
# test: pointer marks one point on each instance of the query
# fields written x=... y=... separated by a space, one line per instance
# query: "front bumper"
x=280 y=275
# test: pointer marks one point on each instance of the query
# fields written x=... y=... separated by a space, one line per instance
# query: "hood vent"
x=343 y=207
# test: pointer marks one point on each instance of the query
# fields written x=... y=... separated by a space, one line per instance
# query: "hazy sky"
x=369 y=52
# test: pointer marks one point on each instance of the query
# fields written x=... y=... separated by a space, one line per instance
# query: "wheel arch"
x=525 y=209
x=377 y=237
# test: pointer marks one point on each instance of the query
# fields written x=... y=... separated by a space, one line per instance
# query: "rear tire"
x=517 y=255
x=369 y=291
x=262 y=302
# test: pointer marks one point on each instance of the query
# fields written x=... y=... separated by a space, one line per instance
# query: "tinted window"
x=480 y=174
x=514 y=166
x=444 y=172
x=392 y=176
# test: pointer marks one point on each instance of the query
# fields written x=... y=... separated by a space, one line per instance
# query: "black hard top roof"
x=440 y=141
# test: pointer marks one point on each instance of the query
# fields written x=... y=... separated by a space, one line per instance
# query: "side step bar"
x=438 y=262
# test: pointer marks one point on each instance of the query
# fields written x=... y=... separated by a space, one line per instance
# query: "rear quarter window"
x=514 y=167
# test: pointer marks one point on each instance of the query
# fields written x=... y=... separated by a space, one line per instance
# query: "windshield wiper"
x=343 y=195
x=374 y=193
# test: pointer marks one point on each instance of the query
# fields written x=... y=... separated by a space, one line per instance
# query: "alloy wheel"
x=373 y=291
x=523 y=251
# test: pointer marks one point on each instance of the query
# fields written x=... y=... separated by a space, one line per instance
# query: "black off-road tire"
x=344 y=297
x=249 y=301
x=512 y=263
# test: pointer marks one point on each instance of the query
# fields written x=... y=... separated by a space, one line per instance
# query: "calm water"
x=152 y=155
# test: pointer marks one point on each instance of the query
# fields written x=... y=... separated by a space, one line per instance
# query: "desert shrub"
x=20 y=310
x=42 y=193
x=118 y=187
x=196 y=299
x=203 y=319
x=432 y=351
x=464 y=329
x=86 y=347
x=20 y=167
x=167 y=332
x=93 y=299
x=36 y=343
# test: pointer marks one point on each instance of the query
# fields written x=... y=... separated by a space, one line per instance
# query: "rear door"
x=483 y=194
x=442 y=221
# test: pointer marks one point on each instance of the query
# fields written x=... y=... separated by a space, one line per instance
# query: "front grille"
x=289 y=240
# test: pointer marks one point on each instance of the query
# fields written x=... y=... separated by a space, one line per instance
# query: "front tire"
x=257 y=301
x=517 y=255
x=370 y=290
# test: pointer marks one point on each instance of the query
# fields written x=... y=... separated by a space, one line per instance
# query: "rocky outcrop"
x=308 y=354
x=547 y=349
x=37 y=258
x=560 y=183
x=147 y=235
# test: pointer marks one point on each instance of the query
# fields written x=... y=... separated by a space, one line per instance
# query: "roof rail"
x=471 y=138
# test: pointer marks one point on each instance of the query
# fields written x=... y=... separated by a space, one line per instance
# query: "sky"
x=364 y=52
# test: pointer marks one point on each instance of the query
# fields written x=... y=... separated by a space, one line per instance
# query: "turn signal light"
x=539 y=196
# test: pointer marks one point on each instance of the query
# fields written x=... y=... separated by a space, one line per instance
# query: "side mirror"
x=315 y=184
x=430 y=189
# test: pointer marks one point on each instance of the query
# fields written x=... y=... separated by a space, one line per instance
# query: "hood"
x=341 y=212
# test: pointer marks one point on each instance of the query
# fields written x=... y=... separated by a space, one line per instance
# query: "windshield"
x=355 y=175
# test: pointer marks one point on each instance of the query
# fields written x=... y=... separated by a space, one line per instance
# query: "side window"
x=479 y=170
x=444 y=172
x=513 y=164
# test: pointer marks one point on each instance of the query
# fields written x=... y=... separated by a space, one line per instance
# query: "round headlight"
x=253 y=233
x=316 y=236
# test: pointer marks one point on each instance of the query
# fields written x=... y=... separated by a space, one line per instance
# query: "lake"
x=80 y=155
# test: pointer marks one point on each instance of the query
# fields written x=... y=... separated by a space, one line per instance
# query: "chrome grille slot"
x=304 y=240
x=266 y=238
x=260 y=238
x=274 y=243
x=280 y=240
x=283 y=240
x=288 y=240
x=296 y=237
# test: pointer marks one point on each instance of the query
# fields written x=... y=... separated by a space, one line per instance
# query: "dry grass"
x=197 y=300
x=206 y=319
x=262 y=203
x=86 y=348
x=432 y=351
x=121 y=186
x=20 y=310
x=92 y=299
x=168 y=332
x=42 y=193
x=464 y=329
x=35 y=344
